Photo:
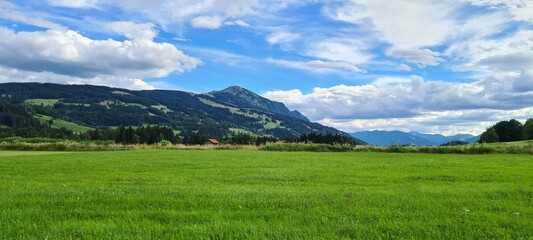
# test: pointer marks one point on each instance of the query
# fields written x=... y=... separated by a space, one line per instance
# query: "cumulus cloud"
x=420 y=57
x=448 y=122
x=403 y=98
x=16 y=75
x=209 y=22
x=408 y=103
x=72 y=54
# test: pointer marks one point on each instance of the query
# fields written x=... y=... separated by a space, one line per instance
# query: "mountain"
x=231 y=111
x=387 y=138
x=238 y=96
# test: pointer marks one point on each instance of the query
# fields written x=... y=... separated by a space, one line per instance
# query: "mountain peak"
x=237 y=90
x=243 y=97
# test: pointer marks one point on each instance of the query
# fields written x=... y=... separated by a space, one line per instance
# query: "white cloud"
x=133 y=30
x=73 y=3
x=403 y=23
x=481 y=26
x=420 y=57
x=16 y=75
x=340 y=50
x=405 y=98
x=394 y=81
x=239 y=23
x=220 y=56
x=448 y=122
x=180 y=39
x=525 y=13
x=210 y=14
x=317 y=66
x=6 y=4
x=71 y=54
x=522 y=10
x=404 y=67
x=280 y=37
x=209 y=22
x=9 y=11
x=334 y=65
x=414 y=104
x=512 y=53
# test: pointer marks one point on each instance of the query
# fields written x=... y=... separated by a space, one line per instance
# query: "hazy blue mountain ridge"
x=388 y=138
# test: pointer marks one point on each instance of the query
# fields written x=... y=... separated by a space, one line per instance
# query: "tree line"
x=18 y=120
x=329 y=138
x=508 y=131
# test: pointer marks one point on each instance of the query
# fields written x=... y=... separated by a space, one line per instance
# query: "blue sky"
x=430 y=66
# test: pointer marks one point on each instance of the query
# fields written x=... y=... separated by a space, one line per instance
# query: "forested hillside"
x=231 y=111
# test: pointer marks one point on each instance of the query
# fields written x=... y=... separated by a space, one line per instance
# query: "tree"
x=502 y=129
x=489 y=136
x=528 y=129
x=516 y=130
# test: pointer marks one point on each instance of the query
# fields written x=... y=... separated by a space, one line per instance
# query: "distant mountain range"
x=388 y=138
x=231 y=111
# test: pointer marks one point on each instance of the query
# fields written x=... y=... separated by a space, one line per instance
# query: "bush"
x=463 y=149
x=164 y=143
x=31 y=140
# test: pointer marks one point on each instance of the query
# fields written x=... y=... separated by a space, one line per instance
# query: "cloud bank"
x=406 y=99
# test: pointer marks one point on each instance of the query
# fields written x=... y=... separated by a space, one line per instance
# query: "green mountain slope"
x=219 y=113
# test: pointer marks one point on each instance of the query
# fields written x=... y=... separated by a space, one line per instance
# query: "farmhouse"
x=211 y=142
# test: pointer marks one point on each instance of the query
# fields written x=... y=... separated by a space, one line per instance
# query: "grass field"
x=42 y=102
x=57 y=123
x=254 y=194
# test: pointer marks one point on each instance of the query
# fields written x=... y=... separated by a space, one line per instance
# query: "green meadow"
x=244 y=194
x=57 y=123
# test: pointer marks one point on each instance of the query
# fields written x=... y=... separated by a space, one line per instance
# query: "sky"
x=448 y=67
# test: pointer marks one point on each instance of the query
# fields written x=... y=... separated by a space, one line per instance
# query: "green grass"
x=43 y=102
x=218 y=105
x=256 y=194
x=162 y=107
x=26 y=153
x=120 y=93
x=78 y=104
x=242 y=131
x=109 y=103
x=57 y=123
x=517 y=143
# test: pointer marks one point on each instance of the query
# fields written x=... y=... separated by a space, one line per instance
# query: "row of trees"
x=328 y=138
x=128 y=135
x=156 y=134
x=508 y=131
